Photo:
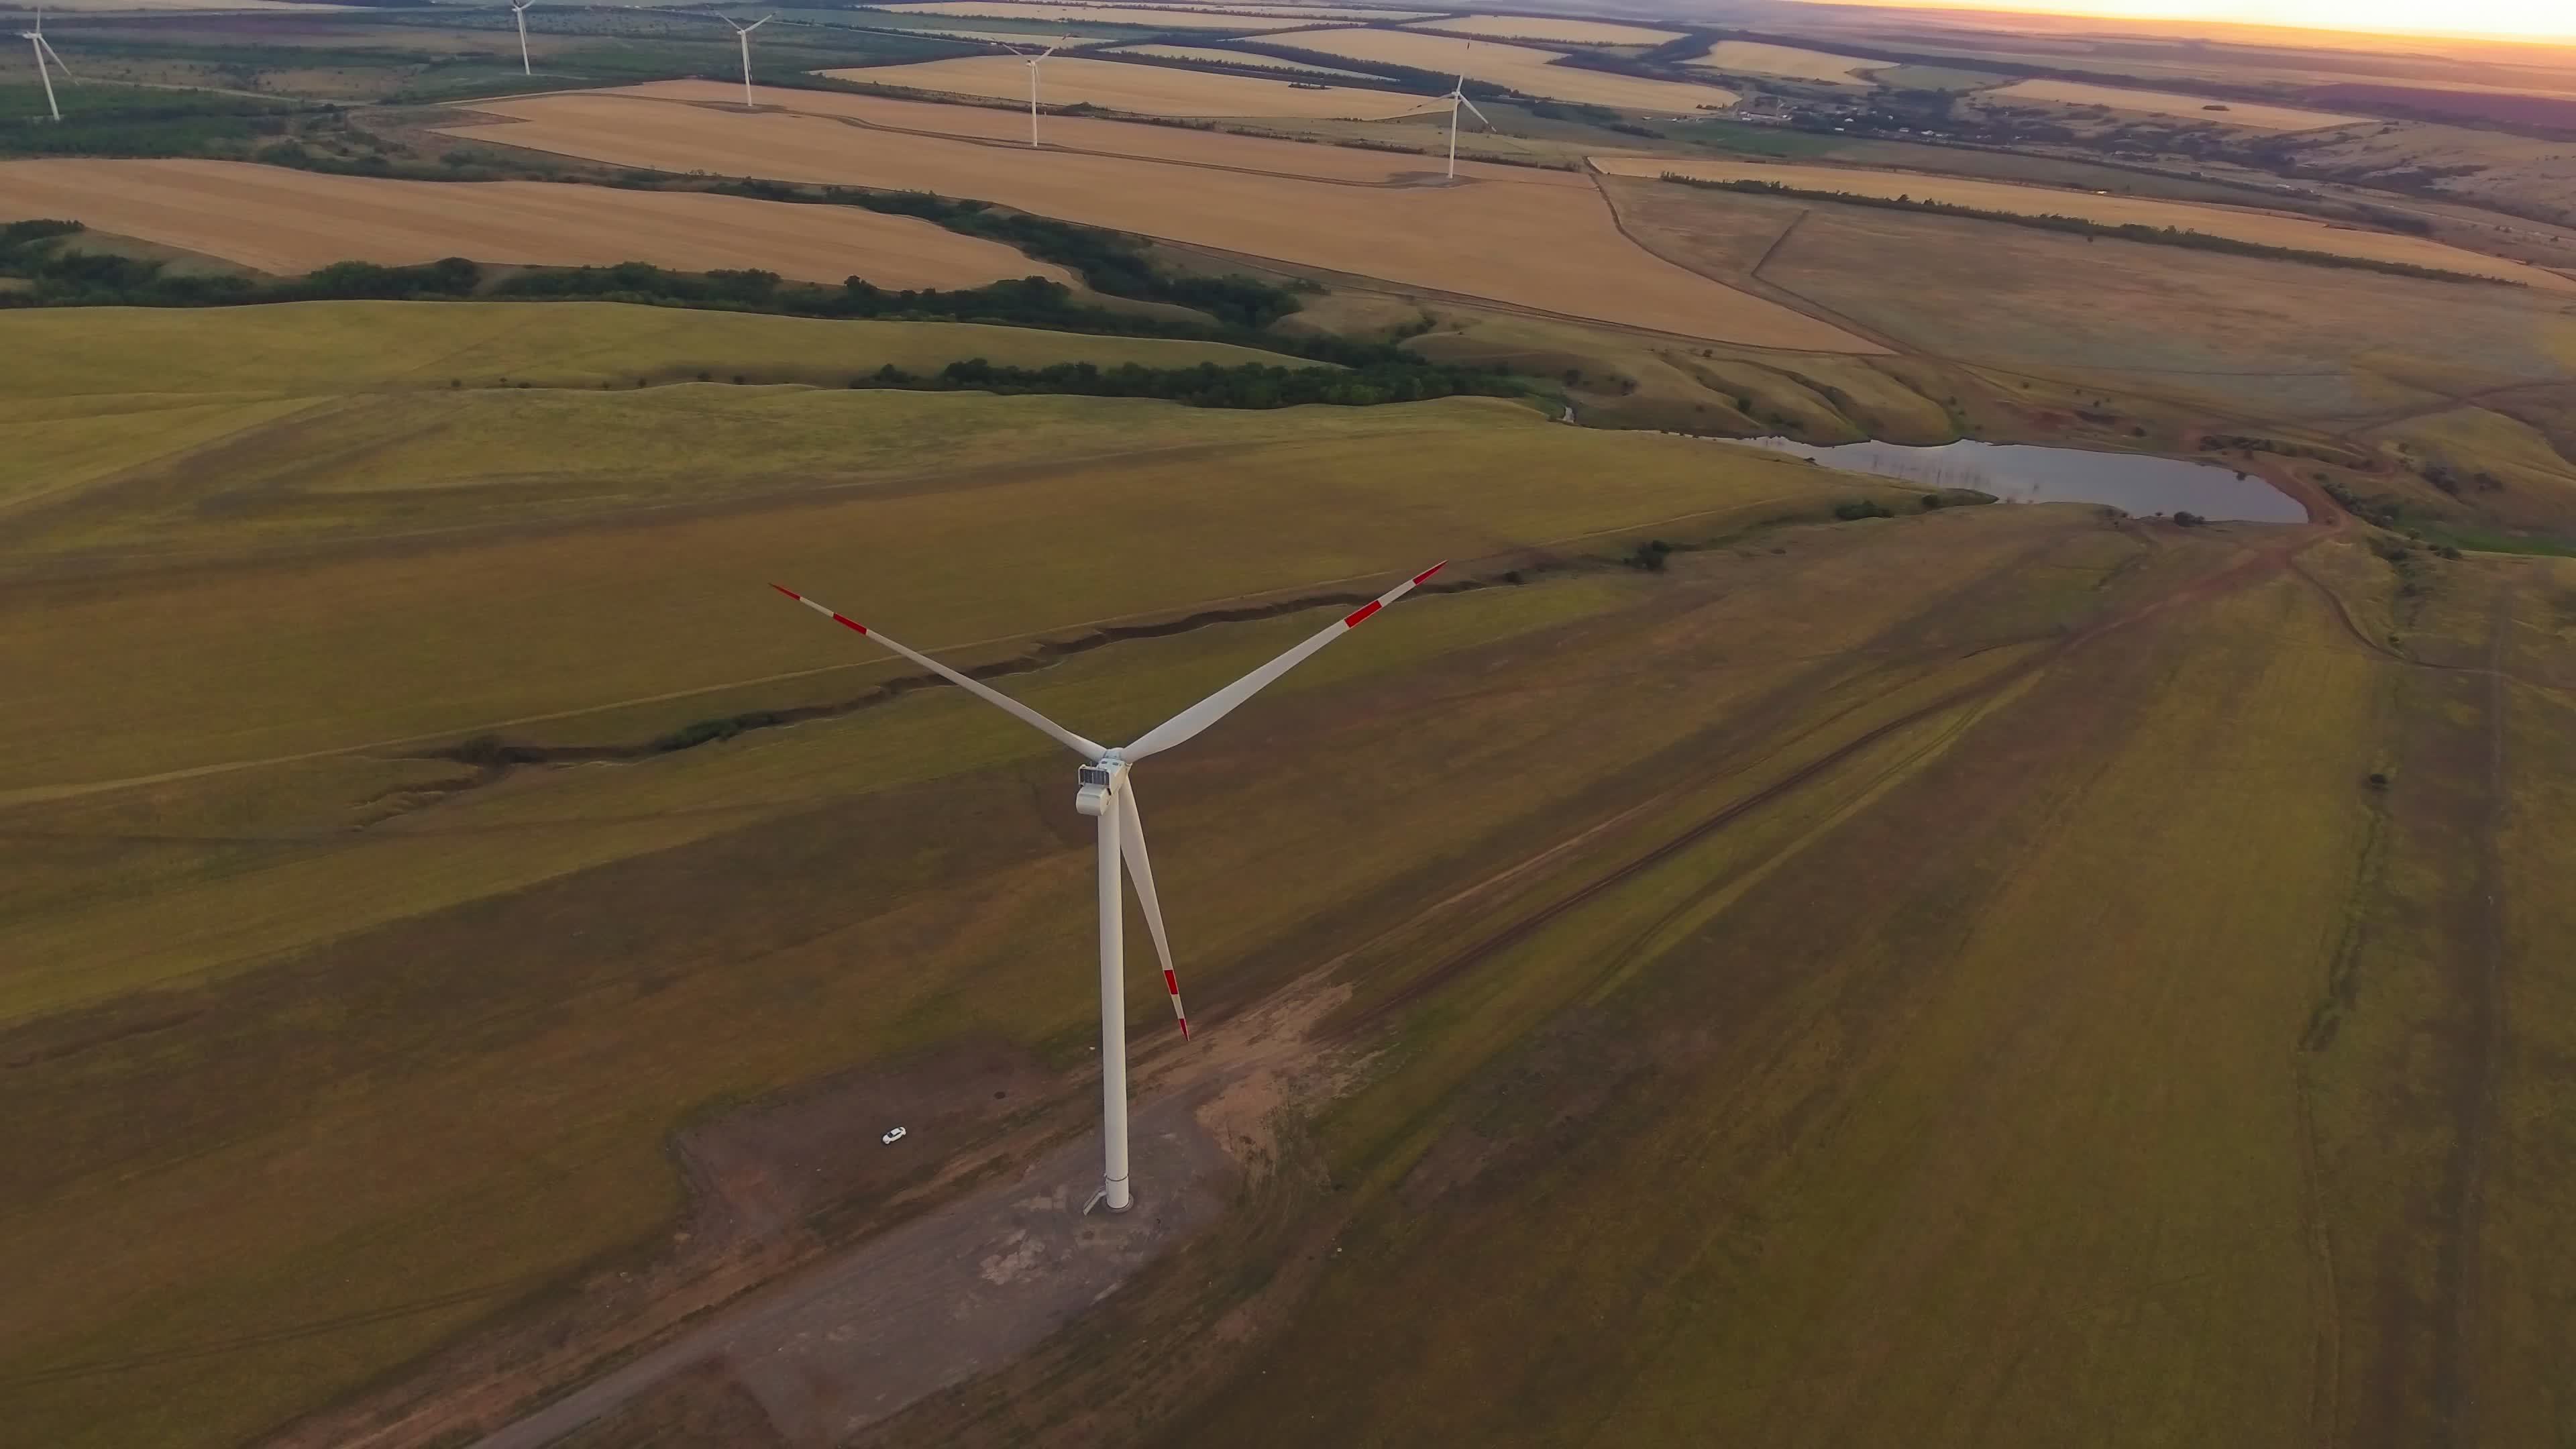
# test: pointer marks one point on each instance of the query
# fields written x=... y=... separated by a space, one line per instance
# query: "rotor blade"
x=999 y=700
x=1471 y=106
x=57 y=55
x=1217 y=706
x=1140 y=869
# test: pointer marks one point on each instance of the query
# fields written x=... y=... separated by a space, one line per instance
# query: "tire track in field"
x=1752 y=284
x=2463 y=1270
x=2245 y=570
x=1478 y=951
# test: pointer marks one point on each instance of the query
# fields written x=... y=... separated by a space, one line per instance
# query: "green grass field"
x=1978 y=975
x=358 y=372
x=330 y=849
x=1971 y=1088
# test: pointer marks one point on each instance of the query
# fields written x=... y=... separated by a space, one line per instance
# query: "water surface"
x=2027 y=473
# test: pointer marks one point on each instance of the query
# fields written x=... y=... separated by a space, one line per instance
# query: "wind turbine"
x=1032 y=62
x=1107 y=793
x=44 y=48
x=1458 y=97
x=742 y=33
x=519 y=12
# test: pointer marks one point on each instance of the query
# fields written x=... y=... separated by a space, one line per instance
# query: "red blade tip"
x=1435 y=568
x=791 y=593
x=1185 y=1028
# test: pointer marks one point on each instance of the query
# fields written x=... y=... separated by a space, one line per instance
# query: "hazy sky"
x=2537 y=19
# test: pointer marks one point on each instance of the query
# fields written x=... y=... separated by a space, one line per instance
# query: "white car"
x=893 y=1137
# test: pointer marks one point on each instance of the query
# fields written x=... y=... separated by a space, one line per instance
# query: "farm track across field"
x=2237 y=575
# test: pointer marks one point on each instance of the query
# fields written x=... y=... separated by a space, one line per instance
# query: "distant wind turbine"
x=519 y=12
x=43 y=48
x=1458 y=97
x=1106 y=793
x=742 y=33
x=1032 y=62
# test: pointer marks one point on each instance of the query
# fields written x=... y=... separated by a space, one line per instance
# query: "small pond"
x=2025 y=473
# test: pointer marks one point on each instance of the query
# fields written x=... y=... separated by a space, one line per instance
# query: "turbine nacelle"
x=1098 y=782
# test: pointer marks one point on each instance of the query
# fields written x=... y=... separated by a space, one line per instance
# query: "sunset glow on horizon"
x=2540 y=20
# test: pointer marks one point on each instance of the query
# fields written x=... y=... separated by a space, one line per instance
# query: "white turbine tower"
x=742 y=33
x=1458 y=97
x=1107 y=793
x=1032 y=63
x=44 y=48
x=519 y=12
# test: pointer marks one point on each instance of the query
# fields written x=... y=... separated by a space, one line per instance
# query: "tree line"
x=102 y=120
x=1207 y=385
x=57 y=275
x=1365 y=374
x=1252 y=67
x=2171 y=236
x=1107 y=261
x=1404 y=77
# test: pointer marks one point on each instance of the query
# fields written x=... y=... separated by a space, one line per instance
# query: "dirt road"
x=958 y=1293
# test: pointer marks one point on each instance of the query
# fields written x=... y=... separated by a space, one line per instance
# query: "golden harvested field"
x=285 y=221
x=1543 y=28
x=1291 y=12
x=1519 y=67
x=1788 y=60
x=2263 y=227
x=1093 y=14
x=1144 y=90
x=1476 y=240
x=2485 y=168
x=1309 y=12
x=2169 y=103
x=1176 y=144
x=1231 y=57
x=1004 y=37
